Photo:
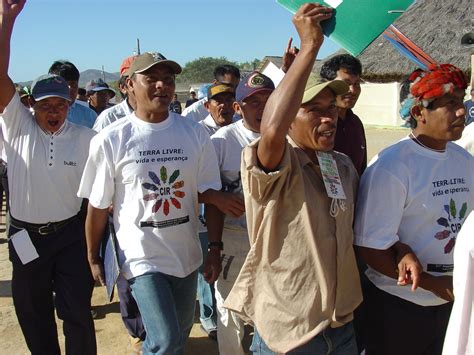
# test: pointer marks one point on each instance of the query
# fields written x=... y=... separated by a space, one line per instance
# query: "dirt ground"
x=112 y=338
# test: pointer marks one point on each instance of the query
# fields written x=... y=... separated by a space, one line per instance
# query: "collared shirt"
x=81 y=115
x=300 y=275
x=44 y=169
x=350 y=140
x=111 y=115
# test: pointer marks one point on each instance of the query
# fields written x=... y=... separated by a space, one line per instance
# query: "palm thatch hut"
x=435 y=26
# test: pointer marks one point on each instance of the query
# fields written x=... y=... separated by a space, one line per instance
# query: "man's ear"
x=206 y=105
x=416 y=111
x=237 y=108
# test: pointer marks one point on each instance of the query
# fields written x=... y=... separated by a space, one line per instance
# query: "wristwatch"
x=219 y=245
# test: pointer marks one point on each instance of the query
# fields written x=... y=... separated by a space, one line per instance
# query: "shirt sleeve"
x=379 y=210
x=97 y=183
x=208 y=174
x=261 y=185
x=15 y=116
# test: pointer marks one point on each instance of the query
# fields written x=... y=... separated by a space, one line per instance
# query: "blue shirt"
x=81 y=115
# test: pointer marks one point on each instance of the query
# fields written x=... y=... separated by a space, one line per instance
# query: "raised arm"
x=283 y=104
x=9 y=10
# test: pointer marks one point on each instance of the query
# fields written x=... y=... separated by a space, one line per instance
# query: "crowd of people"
x=256 y=197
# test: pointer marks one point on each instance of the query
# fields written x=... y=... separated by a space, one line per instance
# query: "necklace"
x=412 y=136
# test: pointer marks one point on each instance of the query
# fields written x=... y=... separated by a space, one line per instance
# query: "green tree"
x=201 y=70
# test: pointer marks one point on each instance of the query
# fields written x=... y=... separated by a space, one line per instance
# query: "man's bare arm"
x=283 y=104
x=393 y=263
x=9 y=10
x=96 y=222
x=215 y=225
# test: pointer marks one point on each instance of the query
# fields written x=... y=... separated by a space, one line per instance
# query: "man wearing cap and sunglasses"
x=46 y=157
x=151 y=165
x=299 y=283
x=99 y=94
x=78 y=114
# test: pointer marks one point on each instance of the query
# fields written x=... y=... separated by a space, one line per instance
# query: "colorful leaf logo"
x=447 y=223
x=164 y=191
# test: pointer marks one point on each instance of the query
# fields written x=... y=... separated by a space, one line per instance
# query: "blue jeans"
x=166 y=304
x=205 y=292
x=334 y=341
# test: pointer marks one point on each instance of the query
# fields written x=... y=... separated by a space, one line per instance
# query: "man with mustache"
x=299 y=285
x=350 y=135
x=413 y=199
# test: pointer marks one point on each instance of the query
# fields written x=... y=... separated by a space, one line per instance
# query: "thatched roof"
x=435 y=26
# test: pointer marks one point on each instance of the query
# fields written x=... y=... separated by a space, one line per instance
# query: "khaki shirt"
x=300 y=275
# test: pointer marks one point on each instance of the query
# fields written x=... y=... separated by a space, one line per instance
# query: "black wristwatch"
x=219 y=245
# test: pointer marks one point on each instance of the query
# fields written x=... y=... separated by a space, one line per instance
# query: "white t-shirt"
x=459 y=338
x=44 y=169
x=229 y=142
x=111 y=115
x=418 y=197
x=197 y=111
x=152 y=173
x=467 y=139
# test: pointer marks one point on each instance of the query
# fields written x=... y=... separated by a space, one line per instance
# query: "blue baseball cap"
x=98 y=85
x=50 y=85
x=253 y=83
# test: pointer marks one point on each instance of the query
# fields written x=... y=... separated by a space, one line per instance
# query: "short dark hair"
x=65 y=69
x=224 y=69
x=81 y=91
x=346 y=61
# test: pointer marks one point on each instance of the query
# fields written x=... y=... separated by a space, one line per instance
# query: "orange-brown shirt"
x=300 y=275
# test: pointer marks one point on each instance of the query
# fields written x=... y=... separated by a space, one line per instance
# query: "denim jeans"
x=334 y=341
x=166 y=304
x=205 y=292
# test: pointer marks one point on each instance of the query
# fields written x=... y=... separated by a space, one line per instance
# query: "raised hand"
x=289 y=56
x=11 y=8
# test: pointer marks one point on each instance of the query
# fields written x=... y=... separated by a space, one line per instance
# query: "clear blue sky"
x=92 y=33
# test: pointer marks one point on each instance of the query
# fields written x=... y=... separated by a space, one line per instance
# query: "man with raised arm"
x=46 y=157
x=299 y=283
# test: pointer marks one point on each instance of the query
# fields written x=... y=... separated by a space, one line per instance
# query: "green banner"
x=356 y=23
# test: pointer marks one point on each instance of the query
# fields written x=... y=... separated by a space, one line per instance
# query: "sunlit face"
x=314 y=127
x=251 y=109
x=50 y=113
x=444 y=120
x=221 y=108
x=153 y=89
x=348 y=100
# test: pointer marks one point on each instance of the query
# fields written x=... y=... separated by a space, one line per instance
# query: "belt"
x=42 y=229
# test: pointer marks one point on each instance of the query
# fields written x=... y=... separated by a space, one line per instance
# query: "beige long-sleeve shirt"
x=300 y=275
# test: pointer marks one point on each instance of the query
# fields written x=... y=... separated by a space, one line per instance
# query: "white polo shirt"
x=111 y=115
x=44 y=169
x=152 y=173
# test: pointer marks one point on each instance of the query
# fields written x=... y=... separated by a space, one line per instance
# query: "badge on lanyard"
x=331 y=178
